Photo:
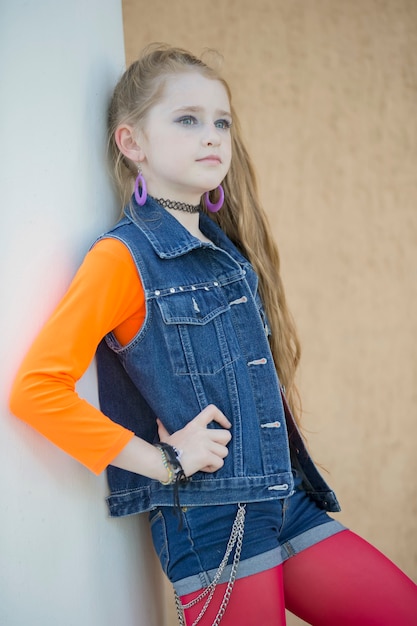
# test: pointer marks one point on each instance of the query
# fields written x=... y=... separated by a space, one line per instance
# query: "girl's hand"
x=203 y=449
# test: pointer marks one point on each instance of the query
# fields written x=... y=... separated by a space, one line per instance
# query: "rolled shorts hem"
x=309 y=538
x=261 y=562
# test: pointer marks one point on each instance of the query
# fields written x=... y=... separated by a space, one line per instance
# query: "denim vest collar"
x=170 y=239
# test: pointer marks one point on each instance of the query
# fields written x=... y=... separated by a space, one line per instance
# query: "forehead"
x=193 y=89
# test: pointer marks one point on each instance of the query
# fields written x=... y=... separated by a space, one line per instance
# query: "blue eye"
x=187 y=120
x=223 y=124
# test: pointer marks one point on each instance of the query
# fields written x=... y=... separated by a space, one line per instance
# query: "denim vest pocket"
x=198 y=330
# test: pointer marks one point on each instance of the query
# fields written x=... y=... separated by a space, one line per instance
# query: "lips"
x=211 y=158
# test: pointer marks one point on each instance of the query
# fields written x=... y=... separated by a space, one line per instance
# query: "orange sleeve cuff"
x=112 y=452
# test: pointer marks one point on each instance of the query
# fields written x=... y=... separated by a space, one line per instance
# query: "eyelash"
x=226 y=124
x=190 y=120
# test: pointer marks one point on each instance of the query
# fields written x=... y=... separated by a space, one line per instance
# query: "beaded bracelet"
x=176 y=475
x=168 y=467
x=171 y=460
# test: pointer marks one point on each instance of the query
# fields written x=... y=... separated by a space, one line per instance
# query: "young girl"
x=183 y=305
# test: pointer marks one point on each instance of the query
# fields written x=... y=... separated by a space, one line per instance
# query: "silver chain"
x=235 y=539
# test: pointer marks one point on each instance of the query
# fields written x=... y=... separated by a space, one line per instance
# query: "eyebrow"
x=198 y=109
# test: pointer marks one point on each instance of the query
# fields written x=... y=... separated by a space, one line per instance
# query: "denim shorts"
x=274 y=531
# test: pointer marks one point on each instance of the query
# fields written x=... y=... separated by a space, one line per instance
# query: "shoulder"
x=108 y=265
x=110 y=248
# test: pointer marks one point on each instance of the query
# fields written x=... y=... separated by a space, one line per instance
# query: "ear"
x=126 y=140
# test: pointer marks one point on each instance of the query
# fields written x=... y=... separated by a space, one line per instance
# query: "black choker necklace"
x=178 y=206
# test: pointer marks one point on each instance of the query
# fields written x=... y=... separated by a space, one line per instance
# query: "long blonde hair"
x=242 y=217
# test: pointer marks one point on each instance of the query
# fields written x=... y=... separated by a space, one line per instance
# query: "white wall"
x=62 y=560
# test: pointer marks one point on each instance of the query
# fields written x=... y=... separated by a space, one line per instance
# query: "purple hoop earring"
x=140 y=197
x=213 y=208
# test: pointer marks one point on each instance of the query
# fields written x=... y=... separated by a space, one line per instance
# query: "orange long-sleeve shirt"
x=105 y=295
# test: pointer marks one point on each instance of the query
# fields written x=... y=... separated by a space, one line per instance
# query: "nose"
x=212 y=136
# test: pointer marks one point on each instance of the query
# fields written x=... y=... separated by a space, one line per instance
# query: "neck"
x=189 y=219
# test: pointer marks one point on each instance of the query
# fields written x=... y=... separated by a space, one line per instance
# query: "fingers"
x=212 y=414
x=215 y=457
x=203 y=448
x=219 y=450
x=162 y=431
x=210 y=469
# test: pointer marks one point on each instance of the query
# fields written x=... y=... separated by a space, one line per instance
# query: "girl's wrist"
x=169 y=477
x=171 y=461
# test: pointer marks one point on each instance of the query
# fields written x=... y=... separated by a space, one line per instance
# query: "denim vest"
x=204 y=341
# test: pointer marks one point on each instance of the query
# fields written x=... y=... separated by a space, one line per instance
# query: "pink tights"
x=340 y=581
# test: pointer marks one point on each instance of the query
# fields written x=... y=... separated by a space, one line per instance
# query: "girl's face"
x=185 y=144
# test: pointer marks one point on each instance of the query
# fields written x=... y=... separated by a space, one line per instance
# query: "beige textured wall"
x=327 y=94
